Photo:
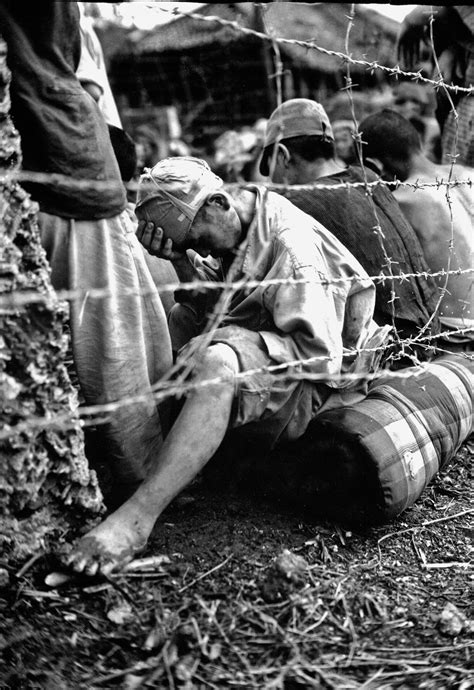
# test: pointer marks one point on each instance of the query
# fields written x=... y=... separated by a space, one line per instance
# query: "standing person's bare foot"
x=113 y=543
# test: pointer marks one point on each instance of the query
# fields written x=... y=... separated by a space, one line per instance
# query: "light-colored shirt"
x=327 y=314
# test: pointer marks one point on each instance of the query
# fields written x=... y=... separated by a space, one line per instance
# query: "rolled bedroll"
x=368 y=462
x=372 y=460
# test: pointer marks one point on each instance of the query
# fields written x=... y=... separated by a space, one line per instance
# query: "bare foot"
x=110 y=545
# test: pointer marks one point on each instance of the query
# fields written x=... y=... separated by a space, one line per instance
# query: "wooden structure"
x=220 y=77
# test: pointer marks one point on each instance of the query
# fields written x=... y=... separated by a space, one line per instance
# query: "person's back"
x=439 y=225
x=440 y=215
x=352 y=217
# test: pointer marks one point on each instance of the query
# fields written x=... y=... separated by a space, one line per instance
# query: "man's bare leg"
x=192 y=441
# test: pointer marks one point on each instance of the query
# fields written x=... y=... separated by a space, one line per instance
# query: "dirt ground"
x=251 y=593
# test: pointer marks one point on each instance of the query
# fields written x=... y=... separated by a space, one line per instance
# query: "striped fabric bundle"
x=403 y=433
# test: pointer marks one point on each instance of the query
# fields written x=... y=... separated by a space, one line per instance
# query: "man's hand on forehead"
x=153 y=239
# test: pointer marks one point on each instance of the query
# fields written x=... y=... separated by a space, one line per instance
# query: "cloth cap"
x=178 y=188
x=296 y=118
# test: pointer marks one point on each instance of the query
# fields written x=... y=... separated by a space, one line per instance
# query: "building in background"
x=218 y=78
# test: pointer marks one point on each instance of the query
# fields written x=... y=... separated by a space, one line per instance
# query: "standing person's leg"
x=120 y=342
x=194 y=438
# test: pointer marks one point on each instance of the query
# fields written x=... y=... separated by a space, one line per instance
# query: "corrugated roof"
x=186 y=32
x=372 y=36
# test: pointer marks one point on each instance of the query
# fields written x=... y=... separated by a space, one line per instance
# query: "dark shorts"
x=451 y=341
x=273 y=404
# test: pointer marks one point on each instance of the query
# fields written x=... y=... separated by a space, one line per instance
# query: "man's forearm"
x=201 y=301
x=187 y=273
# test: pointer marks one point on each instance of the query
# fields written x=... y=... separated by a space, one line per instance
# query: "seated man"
x=440 y=216
x=416 y=102
x=302 y=327
x=344 y=144
x=299 y=150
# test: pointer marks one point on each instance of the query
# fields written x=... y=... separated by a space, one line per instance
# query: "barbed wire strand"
x=278 y=74
x=19 y=299
x=396 y=71
x=443 y=289
x=167 y=387
x=8 y=176
x=194 y=351
x=197 y=347
x=377 y=229
x=54 y=179
x=163 y=389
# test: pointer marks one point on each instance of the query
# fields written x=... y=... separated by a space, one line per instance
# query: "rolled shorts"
x=274 y=403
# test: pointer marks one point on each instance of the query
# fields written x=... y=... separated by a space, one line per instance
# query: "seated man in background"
x=303 y=326
x=417 y=102
x=299 y=149
x=440 y=216
x=343 y=131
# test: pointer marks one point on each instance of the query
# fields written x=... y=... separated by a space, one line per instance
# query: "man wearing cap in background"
x=299 y=150
x=344 y=144
x=311 y=302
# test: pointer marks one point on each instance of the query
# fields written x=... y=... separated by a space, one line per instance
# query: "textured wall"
x=39 y=467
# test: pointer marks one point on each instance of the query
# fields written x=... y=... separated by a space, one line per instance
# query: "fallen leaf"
x=155 y=639
x=132 y=681
x=4 y=577
x=147 y=564
x=451 y=621
x=120 y=613
x=291 y=566
x=214 y=651
x=57 y=579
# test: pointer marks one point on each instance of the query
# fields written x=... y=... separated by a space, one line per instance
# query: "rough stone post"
x=44 y=475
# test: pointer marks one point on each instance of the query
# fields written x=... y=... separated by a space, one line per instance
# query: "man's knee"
x=219 y=360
